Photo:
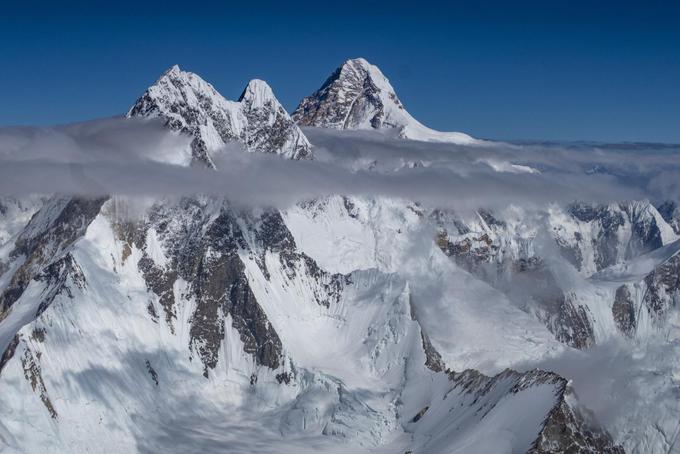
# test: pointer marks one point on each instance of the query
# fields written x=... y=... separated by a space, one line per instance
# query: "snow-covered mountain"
x=199 y=311
x=363 y=324
x=358 y=96
x=188 y=104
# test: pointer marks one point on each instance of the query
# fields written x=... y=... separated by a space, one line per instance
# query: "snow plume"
x=131 y=158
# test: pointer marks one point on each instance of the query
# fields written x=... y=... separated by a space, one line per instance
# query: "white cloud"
x=127 y=157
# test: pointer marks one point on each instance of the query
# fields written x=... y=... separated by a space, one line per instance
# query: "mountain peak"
x=258 y=92
x=358 y=64
x=174 y=69
x=359 y=96
x=189 y=104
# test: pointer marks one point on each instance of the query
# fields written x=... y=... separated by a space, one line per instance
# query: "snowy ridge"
x=358 y=96
x=509 y=250
x=204 y=307
x=192 y=106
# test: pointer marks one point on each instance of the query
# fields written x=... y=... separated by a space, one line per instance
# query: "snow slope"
x=115 y=363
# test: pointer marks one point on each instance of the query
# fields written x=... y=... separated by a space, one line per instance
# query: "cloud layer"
x=141 y=158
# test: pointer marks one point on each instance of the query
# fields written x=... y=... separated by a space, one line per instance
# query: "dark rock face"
x=570 y=324
x=527 y=281
x=50 y=233
x=623 y=311
x=351 y=207
x=420 y=414
x=663 y=288
x=490 y=219
x=348 y=98
x=160 y=282
x=433 y=360
x=272 y=235
x=146 y=106
x=188 y=104
x=478 y=254
x=586 y=212
x=472 y=254
x=645 y=233
x=571 y=429
x=44 y=244
x=284 y=377
x=569 y=321
x=567 y=428
x=204 y=249
x=9 y=352
x=606 y=243
x=271 y=130
x=152 y=372
x=219 y=283
x=61 y=277
x=33 y=374
x=205 y=252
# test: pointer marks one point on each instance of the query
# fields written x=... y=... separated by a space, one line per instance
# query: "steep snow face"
x=542 y=261
x=204 y=327
x=488 y=408
x=596 y=237
x=519 y=255
x=671 y=214
x=644 y=293
x=192 y=106
x=15 y=213
x=358 y=96
x=450 y=304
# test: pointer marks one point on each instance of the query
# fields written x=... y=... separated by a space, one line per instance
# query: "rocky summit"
x=187 y=103
x=358 y=96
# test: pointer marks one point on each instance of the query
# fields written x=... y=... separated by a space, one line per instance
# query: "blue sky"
x=520 y=70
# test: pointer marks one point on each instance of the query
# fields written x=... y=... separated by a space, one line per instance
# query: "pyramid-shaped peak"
x=175 y=73
x=359 y=96
x=360 y=63
x=356 y=96
x=360 y=72
x=174 y=69
x=258 y=92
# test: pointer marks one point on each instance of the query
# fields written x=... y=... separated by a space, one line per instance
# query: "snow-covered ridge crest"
x=358 y=96
x=192 y=106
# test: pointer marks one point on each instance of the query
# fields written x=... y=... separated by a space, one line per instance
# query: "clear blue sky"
x=607 y=71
